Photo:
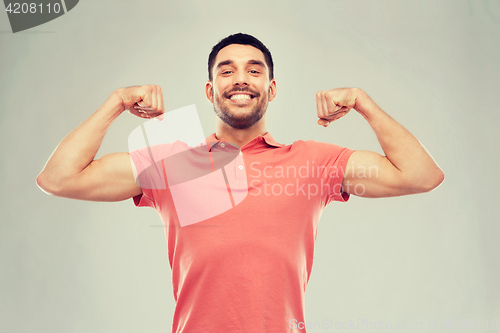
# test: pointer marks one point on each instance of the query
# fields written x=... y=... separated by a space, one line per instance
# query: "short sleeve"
x=140 y=162
x=149 y=171
x=336 y=177
x=332 y=159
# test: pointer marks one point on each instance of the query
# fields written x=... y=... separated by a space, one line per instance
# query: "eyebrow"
x=256 y=62
x=251 y=62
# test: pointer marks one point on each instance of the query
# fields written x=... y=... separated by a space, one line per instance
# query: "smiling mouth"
x=241 y=97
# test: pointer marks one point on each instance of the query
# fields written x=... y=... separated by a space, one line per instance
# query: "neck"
x=239 y=136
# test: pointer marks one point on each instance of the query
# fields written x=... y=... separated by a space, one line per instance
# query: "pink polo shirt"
x=242 y=264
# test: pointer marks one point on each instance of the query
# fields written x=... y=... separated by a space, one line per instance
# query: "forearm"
x=401 y=147
x=78 y=149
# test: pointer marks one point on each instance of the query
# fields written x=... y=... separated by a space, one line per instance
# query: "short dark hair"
x=242 y=39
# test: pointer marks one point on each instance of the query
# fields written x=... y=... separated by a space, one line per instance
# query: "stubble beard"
x=241 y=120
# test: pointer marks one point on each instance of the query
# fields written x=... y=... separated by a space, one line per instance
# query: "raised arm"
x=71 y=170
x=406 y=168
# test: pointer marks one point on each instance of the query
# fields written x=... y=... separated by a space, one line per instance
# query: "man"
x=247 y=268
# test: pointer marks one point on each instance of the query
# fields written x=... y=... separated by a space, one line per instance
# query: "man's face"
x=241 y=89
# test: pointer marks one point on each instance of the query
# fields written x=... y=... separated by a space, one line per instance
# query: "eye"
x=226 y=72
x=254 y=72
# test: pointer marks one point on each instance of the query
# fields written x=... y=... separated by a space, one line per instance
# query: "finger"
x=160 y=100
x=323 y=122
x=326 y=108
x=140 y=108
x=146 y=97
x=336 y=105
x=319 y=106
x=160 y=104
x=160 y=117
x=155 y=98
x=136 y=112
x=323 y=111
x=327 y=111
x=341 y=114
x=145 y=113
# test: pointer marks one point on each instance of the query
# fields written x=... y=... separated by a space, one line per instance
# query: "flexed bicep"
x=110 y=178
x=371 y=175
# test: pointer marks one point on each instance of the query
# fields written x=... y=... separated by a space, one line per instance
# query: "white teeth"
x=240 y=96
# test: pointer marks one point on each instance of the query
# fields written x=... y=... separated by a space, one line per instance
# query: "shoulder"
x=158 y=152
x=314 y=146
x=321 y=152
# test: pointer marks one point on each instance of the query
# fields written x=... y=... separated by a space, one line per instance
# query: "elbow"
x=437 y=179
x=46 y=184
x=433 y=180
x=424 y=182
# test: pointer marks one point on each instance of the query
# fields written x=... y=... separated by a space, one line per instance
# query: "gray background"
x=75 y=266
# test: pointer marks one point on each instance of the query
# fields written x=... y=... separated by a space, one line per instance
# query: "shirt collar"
x=261 y=140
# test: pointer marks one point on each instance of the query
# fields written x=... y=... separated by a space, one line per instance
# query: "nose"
x=241 y=78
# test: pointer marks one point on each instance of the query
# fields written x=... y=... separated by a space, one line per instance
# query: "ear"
x=272 y=90
x=209 y=92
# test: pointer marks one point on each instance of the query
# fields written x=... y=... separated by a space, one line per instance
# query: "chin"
x=240 y=116
x=239 y=121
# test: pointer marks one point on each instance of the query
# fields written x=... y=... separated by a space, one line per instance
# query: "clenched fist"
x=142 y=101
x=334 y=104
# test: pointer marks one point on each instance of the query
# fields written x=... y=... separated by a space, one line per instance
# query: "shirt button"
x=222 y=145
x=240 y=167
x=241 y=153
